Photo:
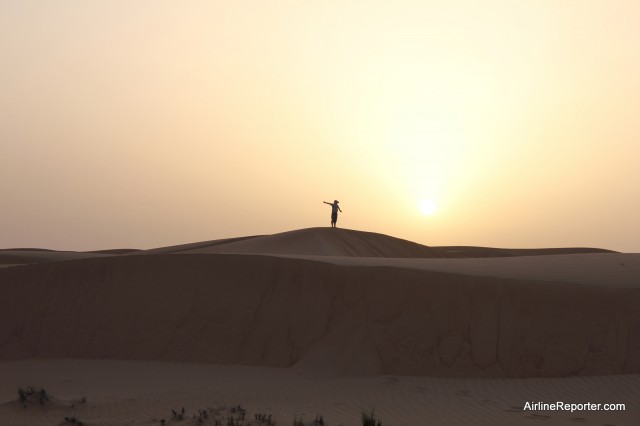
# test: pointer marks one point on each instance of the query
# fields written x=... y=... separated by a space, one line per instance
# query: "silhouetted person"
x=334 y=212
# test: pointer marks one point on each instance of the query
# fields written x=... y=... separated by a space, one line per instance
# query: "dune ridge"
x=316 y=241
x=351 y=243
x=301 y=242
x=604 y=269
x=28 y=256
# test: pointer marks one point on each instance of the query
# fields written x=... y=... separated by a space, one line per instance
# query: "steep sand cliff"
x=316 y=316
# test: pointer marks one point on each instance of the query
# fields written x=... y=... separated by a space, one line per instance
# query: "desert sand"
x=144 y=392
x=321 y=321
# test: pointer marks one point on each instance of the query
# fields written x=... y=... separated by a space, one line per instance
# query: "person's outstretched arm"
x=326 y=202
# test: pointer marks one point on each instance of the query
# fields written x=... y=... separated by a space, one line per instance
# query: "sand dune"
x=316 y=316
x=317 y=241
x=350 y=243
x=481 y=252
x=321 y=321
x=196 y=246
x=606 y=269
x=302 y=242
x=27 y=256
x=114 y=251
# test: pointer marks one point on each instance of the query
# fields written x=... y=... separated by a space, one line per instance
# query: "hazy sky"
x=149 y=123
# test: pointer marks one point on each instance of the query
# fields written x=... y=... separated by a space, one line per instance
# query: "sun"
x=428 y=207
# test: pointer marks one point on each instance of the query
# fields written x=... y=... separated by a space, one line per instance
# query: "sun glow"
x=428 y=207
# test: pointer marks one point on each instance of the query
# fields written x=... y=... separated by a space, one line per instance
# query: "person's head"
x=336 y=201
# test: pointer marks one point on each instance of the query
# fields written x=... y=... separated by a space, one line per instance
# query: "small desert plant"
x=202 y=416
x=232 y=421
x=369 y=419
x=178 y=415
x=297 y=422
x=73 y=421
x=25 y=394
x=264 y=419
x=238 y=409
x=42 y=396
x=319 y=421
x=22 y=394
x=237 y=416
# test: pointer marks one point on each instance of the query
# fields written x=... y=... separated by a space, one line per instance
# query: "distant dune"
x=320 y=301
x=311 y=241
x=114 y=251
x=476 y=252
x=323 y=241
x=26 y=256
x=345 y=242
x=603 y=269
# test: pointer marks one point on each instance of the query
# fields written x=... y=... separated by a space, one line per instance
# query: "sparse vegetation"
x=237 y=416
x=369 y=419
x=74 y=421
x=239 y=410
x=264 y=419
x=318 y=421
x=31 y=393
x=201 y=417
x=178 y=415
x=221 y=416
x=23 y=396
x=232 y=421
x=42 y=396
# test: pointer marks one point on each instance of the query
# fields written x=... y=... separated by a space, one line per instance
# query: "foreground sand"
x=130 y=393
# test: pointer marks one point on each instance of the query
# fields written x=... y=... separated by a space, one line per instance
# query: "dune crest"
x=315 y=241
x=351 y=243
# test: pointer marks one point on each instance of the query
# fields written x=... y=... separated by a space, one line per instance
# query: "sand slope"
x=603 y=269
x=319 y=317
x=350 y=243
x=314 y=241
